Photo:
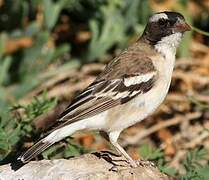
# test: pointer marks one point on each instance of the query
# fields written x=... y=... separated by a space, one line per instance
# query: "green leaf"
x=149 y=153
x=32 y=29
x=3 y=39
x=4 y=68
x=46 y=154
x=168 y=170
x=4 y=144
x=194 y=158
x=60 y=50
x=72 y=150
x=204 y=172
x=51 y=12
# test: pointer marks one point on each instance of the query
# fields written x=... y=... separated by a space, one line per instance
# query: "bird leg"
x=113 y=137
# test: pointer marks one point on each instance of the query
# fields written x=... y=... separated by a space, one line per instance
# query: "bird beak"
x=182 y=26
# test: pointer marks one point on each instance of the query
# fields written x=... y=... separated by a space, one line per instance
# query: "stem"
x=200 y=31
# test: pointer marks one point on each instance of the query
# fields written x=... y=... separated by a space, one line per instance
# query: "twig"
x=170 y=122
x=199 y=139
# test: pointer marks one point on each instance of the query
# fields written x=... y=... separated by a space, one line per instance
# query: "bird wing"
x=120 y=82
x=103 y=95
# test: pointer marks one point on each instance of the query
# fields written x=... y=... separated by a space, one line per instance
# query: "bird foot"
x=119 y=162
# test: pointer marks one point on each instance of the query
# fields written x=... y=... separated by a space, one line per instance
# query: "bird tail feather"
x=34 y=151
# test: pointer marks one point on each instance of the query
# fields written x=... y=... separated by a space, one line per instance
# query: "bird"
x=127 y=91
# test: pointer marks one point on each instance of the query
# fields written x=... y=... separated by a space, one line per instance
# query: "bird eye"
x=163 y=22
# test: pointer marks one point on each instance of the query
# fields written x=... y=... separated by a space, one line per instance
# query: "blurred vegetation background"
x=52 y=49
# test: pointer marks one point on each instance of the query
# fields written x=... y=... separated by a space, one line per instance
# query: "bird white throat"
x=168 y=45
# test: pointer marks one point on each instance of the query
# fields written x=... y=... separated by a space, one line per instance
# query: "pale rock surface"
x=86 y=167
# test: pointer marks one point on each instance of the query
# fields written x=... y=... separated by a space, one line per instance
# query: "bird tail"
x=58 y=134
x=34 y=151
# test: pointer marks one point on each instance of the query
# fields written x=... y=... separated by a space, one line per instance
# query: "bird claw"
x=114 y=168
x=145 y=163
x=119 y=165
x=117 y=161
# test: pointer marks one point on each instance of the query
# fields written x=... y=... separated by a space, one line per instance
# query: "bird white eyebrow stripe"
x=156 y=17
x=129 y=81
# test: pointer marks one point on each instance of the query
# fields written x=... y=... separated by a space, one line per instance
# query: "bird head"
x=164 y=25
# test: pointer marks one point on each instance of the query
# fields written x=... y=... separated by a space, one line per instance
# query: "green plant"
x=115 y=22
x=196 y=165
x=20 y=68
x=19 y=124
x=156 y=155
x=64 y=150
